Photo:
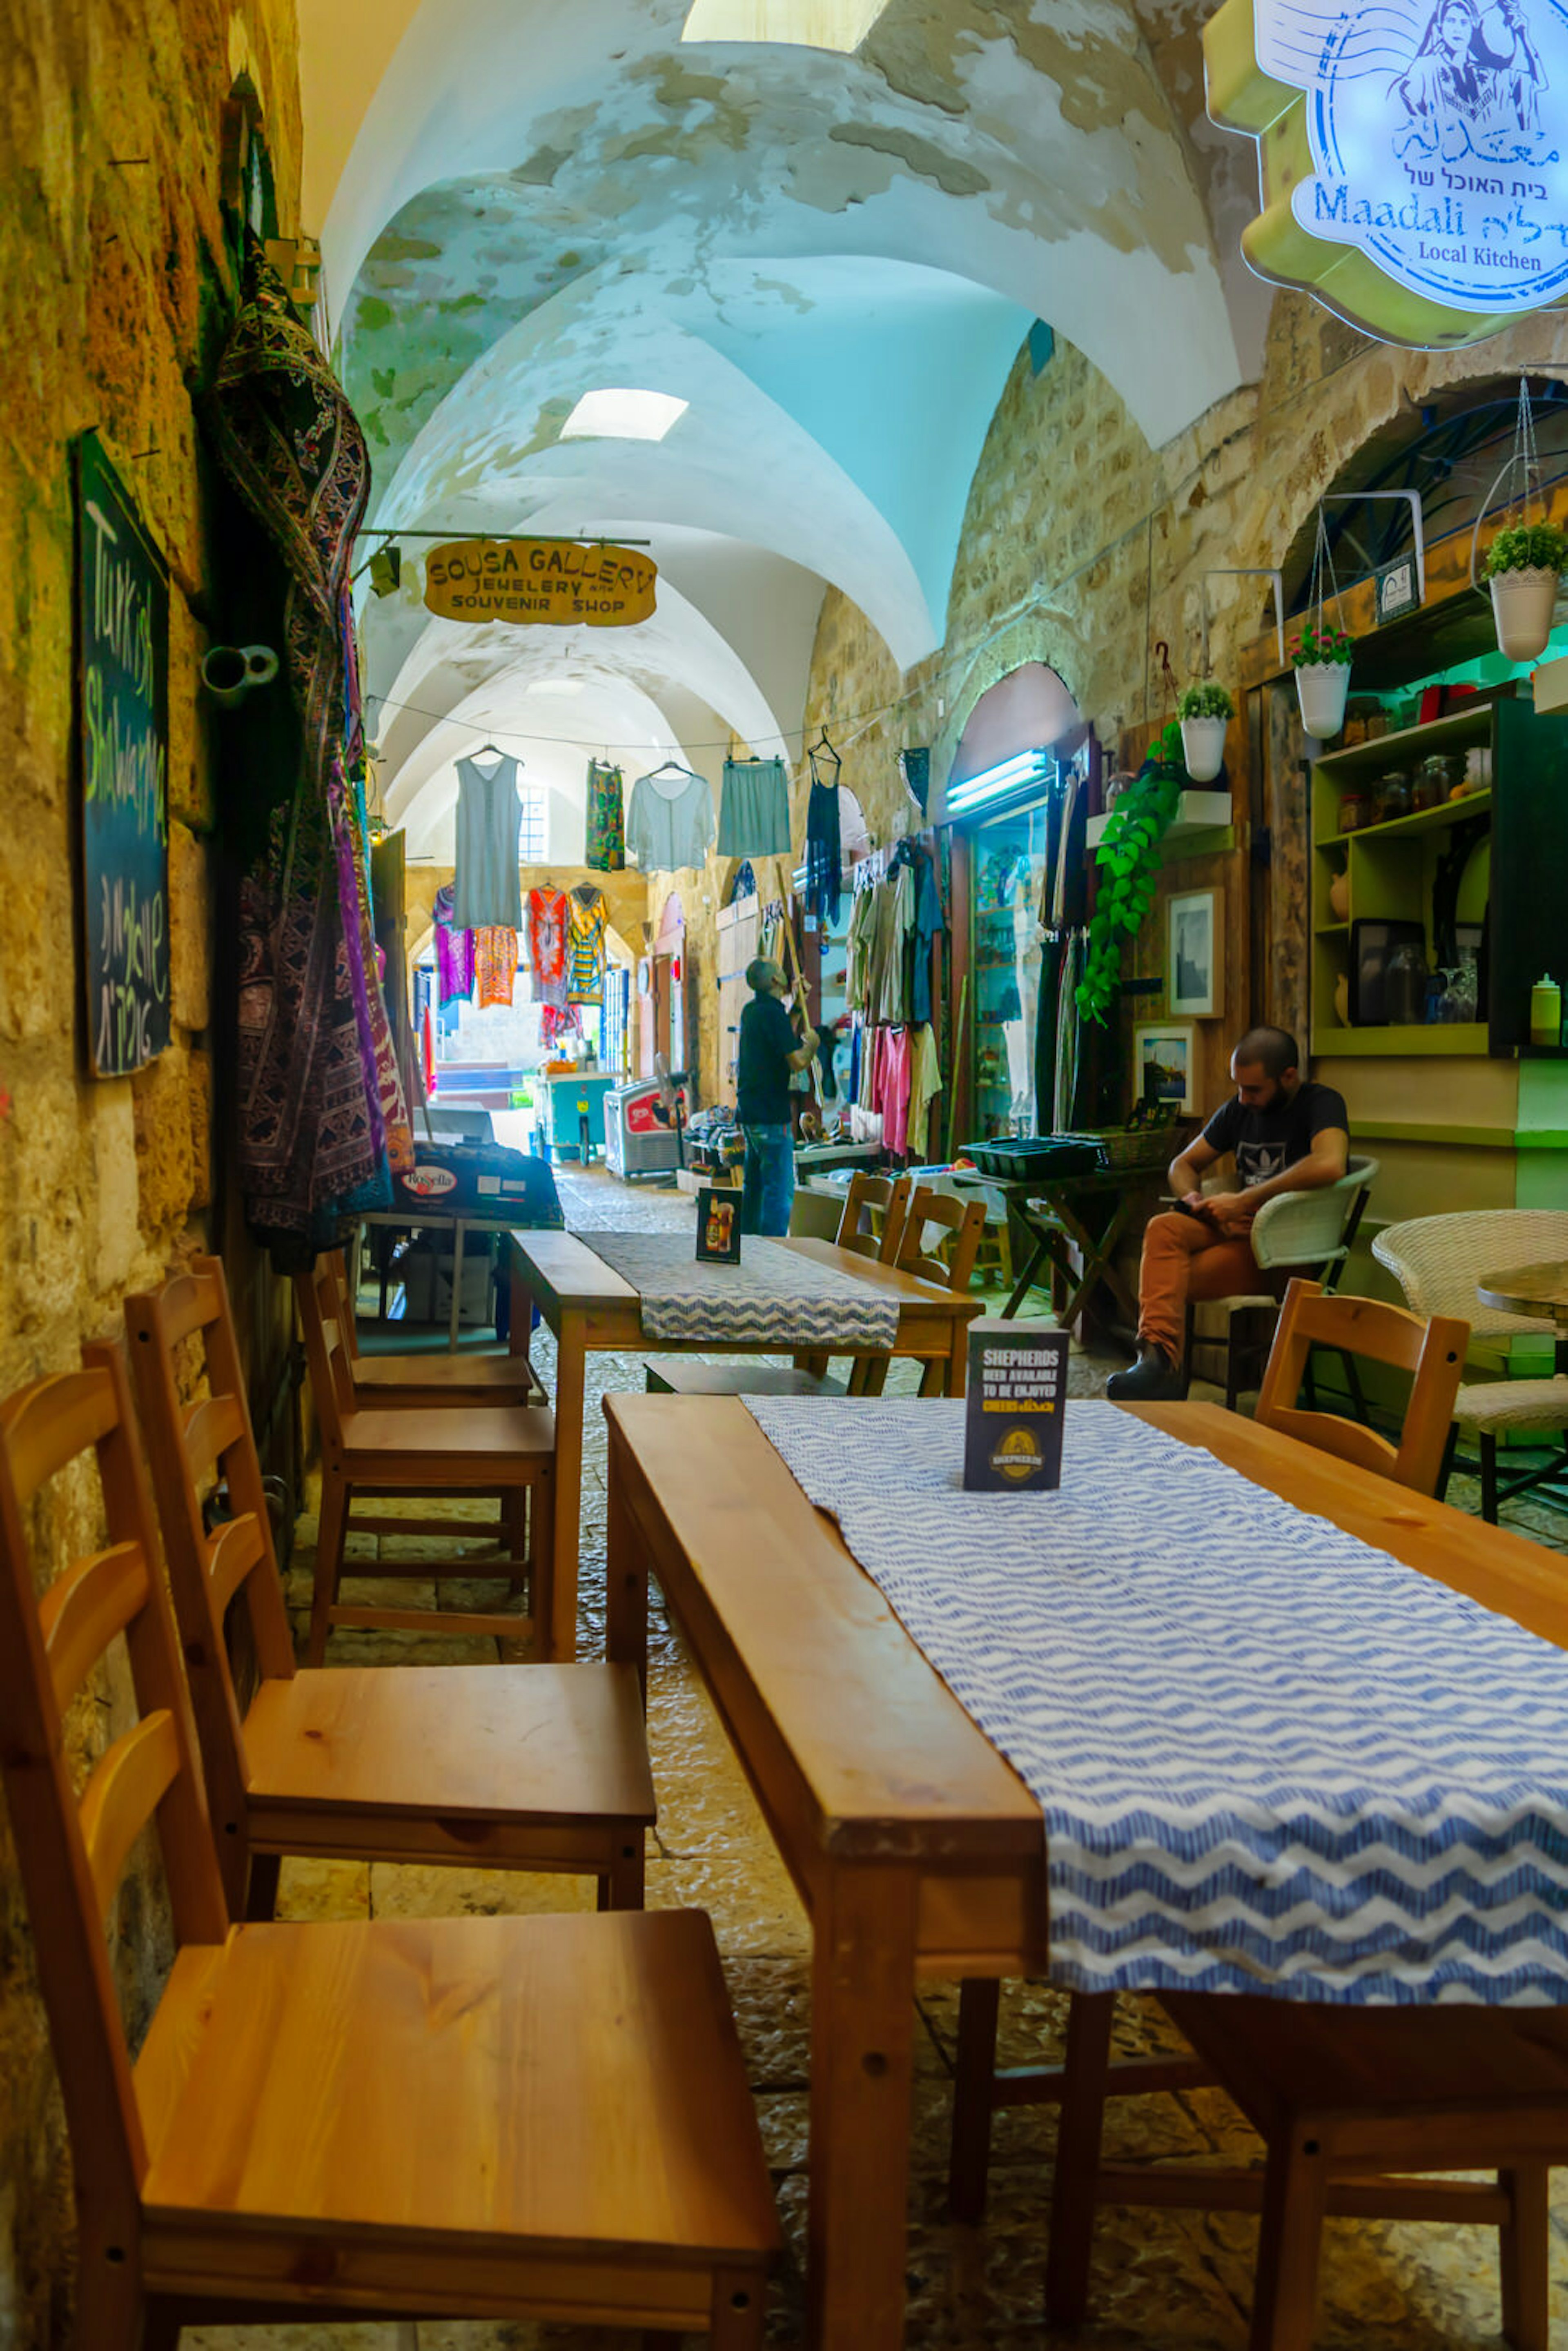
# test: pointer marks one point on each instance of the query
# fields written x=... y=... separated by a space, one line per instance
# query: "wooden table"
x=591 y=1310
x=915 y=1848
x=1538 y=1290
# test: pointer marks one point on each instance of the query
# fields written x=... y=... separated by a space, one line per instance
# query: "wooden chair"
x=493 y=1449
x=1351 y=2103
x=503 y=1767
x=423 y=1380
x=492 y=2118
x=1432 y=1349
x=886 y=1196
x=965 y=1220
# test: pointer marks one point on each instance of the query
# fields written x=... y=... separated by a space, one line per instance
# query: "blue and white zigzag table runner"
x=774 y=1298
x=1270 y=1758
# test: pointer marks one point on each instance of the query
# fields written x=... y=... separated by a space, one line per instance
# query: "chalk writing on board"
x=122 y=618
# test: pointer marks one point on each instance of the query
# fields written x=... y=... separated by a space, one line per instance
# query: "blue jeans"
x=769 y=1190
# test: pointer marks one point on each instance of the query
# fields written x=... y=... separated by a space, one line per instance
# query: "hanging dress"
x=496 y=963
x=454 y=955
x=489 y=819
x=824 y=856
x=753 y=809
x=606 y=849
x=585 y=946
x=548 y=919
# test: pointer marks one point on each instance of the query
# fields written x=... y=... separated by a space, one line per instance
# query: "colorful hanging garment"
x=546 y=920
x=606 y=851
x=453 y=953
x=585 y=946
x=321 y=1115
x=495 y=964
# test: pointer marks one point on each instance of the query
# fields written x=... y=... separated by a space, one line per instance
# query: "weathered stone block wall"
x=111 y=259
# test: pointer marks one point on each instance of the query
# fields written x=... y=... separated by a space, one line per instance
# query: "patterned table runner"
x=773 y=1298
x=1270 y=1758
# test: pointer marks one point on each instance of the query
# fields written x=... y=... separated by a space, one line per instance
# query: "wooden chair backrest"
x=1431 y=1348
x=335 y=1264
x=322 y=1317
x=186 y=1444
x=888 y=1195
x=73 y=1853
x=964 y=1218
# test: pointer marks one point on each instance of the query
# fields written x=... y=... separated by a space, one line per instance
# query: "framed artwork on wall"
x=1194 y=948
x=1165 y=1057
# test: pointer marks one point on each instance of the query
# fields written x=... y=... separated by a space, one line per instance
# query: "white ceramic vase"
x=1203 y=748
x=1321 y=688
x=1521 y=604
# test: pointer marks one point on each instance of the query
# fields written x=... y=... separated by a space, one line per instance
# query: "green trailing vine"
x=1128 y=858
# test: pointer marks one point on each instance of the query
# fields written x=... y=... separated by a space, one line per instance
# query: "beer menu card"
x=1016 y=1395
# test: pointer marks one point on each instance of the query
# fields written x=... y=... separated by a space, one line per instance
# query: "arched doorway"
x=1018 y=798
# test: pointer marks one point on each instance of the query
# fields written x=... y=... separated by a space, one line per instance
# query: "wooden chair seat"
x=462 y=1449
x=536 y=1767
x=680 y=1375
x=483 y=1765
x=514 y=2115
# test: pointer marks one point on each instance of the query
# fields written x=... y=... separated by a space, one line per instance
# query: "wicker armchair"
x=1309 y=1231
x=1438 y=1262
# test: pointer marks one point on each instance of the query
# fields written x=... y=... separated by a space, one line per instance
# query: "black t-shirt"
x=1267 y=1141
x=762 y=1070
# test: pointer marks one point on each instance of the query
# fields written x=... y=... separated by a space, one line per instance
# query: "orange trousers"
x=1186 y=1256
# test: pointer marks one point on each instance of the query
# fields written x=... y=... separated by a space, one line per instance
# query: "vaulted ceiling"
x=831 y=258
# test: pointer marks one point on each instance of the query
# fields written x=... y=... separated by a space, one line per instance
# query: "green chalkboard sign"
x=122 y=637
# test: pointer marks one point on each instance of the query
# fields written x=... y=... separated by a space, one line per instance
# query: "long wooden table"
x=915 y=1848
x=591 y=1310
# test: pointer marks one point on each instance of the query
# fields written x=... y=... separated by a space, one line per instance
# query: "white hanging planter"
x=1323 y=689
x=1521 y=603
x=1203 y=748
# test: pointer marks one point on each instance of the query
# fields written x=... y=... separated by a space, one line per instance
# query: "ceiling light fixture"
x=841 y=25
x=621 y=414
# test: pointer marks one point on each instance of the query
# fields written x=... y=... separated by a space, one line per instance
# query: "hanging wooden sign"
x=553 y=582
x=123 y=639
x=1414 y=174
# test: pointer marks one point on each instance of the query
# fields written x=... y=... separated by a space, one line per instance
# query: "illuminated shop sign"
x=1412 y=155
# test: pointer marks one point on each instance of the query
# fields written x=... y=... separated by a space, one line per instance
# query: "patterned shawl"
x=321 y=1111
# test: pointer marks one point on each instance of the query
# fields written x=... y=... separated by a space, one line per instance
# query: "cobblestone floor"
x=1175 y=2282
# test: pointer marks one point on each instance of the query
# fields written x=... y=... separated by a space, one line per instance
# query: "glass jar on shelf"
x=1405 y=980
x=1431 y=784
x=1391 y=796
x=1354 y=809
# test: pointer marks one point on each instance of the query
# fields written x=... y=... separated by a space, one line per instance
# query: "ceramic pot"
x=1321 y=688
x=1342 y=1000
x=1339 y=897
x=1203 y=748
x=1521 y=604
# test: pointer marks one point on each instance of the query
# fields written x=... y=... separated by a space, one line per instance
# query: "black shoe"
x=1153 y=1379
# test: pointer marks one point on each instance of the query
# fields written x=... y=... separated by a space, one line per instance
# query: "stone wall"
x=111 y=250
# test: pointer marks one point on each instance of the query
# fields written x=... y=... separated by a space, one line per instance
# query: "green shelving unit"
x=1515 y=880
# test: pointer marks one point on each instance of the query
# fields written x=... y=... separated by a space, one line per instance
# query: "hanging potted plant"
x=1525 y=566
x=1322 y=657
x=1205 y=711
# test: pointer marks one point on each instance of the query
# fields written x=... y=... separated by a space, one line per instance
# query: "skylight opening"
x=840 y=25
x=624 y=415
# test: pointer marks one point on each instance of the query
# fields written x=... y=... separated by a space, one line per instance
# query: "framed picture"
x=1165 y=1056
x=1196 y=983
